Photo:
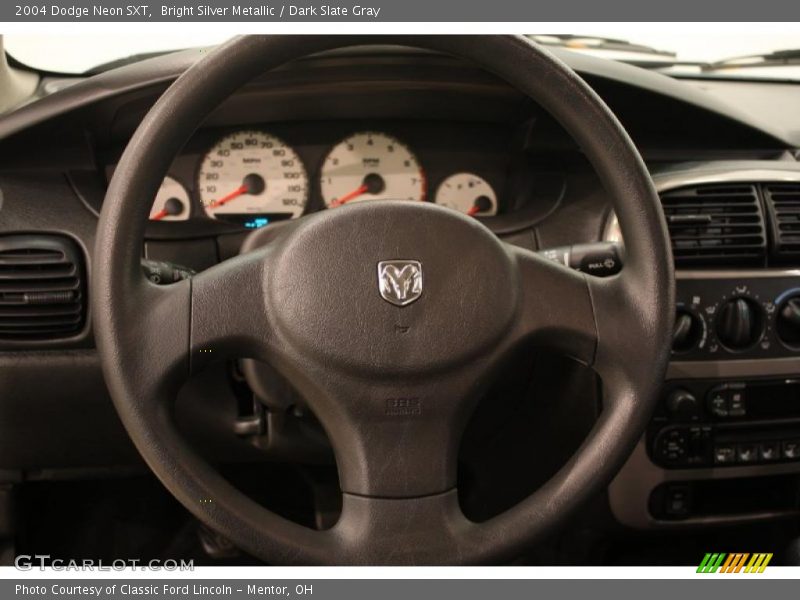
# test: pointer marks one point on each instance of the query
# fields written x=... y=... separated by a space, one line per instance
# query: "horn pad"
x=391 y=286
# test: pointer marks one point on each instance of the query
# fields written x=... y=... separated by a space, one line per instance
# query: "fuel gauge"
x=468 y=193
x=171 y=203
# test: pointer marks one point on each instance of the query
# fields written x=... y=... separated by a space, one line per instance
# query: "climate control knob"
x=687 y=331
x=739 y=323
x=787 y=323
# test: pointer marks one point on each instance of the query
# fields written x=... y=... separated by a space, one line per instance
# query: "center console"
x=723 y=446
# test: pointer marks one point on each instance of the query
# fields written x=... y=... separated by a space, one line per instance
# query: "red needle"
x=159 y=215
x=347 y=197
x=242 y=189
x=473 y=210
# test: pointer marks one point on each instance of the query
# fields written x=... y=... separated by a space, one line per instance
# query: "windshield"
x=762 y=51
x=703 y=50
x=75 y=54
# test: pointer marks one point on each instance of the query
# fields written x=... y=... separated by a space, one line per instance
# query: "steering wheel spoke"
x=556 y=310
x=625 y=358
x=228 y=311
x=158 y=334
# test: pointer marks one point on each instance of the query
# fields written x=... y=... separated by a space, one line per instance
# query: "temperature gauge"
x=469 y=194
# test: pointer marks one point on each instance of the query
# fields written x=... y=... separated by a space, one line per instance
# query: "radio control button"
x=736 y=406
x=671 y=445
x=719 y=403
x=769 y=451
x=791 y=449
x=724 y=454
x=681 y=404
x=746 y=453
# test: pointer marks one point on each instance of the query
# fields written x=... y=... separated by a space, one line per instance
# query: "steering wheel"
x=390 y=318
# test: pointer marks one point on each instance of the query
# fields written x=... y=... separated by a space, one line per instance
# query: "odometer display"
x=252 y=174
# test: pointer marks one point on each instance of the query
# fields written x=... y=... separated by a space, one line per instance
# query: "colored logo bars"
x=734 y=563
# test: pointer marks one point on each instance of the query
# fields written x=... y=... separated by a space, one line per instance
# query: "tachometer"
x=171 y=203
x=469 y=194
x=252 y=178
x=371 y=166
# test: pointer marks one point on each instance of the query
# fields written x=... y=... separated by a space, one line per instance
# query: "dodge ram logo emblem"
x=400 y=281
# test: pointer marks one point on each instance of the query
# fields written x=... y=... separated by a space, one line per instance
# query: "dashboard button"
x=746 y=453
x=769 y=451
x=736 y=405
x=791 y=449
x=700 y=446
x=719 y=403
x=677 y=502
x=681 y=404
x=724 y=454
x=671 y=445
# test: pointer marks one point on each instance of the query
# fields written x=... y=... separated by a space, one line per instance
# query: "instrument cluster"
x=253 y=177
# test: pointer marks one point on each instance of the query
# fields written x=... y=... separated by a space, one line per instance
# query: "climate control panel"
x=723 y=316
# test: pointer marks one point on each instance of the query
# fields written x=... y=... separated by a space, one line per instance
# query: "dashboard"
x=380 y=123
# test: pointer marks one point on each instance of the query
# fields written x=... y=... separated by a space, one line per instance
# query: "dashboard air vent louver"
x=41 y=287
x=713 y=225
x=783 y=207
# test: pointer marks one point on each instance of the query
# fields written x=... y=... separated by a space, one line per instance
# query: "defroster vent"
x=41 y=287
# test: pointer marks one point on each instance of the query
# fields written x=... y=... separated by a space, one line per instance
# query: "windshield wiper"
x=778 y=58
x=637 y=54
x=595 y=42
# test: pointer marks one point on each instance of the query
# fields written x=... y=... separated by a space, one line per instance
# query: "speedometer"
x=252 y=178
x=371 y=166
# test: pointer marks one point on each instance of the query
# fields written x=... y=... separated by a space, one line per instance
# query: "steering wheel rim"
x=399 y=499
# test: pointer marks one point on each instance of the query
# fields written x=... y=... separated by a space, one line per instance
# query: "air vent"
x=715 y=225
x=41 y=288
x=783 y=207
